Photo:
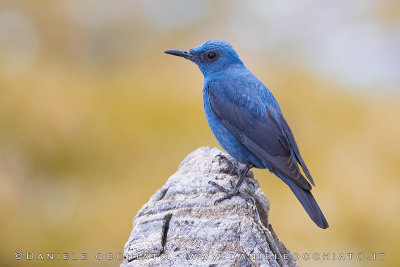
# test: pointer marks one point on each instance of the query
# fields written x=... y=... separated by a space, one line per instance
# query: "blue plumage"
x=248 y=122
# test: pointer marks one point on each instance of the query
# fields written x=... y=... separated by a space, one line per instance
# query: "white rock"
x=181 y=226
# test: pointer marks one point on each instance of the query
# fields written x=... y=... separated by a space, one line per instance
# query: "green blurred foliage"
x=97 y=118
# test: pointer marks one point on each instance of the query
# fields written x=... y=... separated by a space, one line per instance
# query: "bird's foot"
x=229 y=192
x=232 y=166
x=233 y=191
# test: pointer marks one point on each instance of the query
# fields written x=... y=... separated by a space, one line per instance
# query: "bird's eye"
x=211 y=55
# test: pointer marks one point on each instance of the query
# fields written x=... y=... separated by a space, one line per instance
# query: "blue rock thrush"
x=248 y=122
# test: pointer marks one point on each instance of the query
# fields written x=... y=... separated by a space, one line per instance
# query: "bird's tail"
x=308 y=201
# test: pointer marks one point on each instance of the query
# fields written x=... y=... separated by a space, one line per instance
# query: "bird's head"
x=211 y=56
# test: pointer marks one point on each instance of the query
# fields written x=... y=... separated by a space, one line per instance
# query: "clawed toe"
x=227 y=196
x=234 y=190
x=228 y=192
x=220 y=188
x=249 y=181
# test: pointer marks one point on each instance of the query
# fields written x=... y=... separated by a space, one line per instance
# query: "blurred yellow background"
x=94 y=117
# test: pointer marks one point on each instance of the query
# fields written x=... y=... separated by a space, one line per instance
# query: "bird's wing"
x=294 y=147
x=253 y=123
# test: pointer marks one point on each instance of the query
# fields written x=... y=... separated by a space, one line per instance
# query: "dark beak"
x=180 y=53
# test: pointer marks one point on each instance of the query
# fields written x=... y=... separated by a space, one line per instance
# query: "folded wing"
x=260 y=128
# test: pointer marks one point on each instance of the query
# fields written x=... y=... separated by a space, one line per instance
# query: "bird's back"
x=246 y=88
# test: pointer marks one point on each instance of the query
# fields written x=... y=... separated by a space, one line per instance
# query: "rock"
x=181 y=226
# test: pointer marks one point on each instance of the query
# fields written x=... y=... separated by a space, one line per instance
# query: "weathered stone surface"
x=181 y=226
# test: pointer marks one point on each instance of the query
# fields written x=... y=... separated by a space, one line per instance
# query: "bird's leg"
x=234 y=190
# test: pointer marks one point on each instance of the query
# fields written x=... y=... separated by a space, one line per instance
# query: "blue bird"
x=248 y=122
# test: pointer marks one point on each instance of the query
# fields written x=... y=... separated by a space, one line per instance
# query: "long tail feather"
x=308 y=201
